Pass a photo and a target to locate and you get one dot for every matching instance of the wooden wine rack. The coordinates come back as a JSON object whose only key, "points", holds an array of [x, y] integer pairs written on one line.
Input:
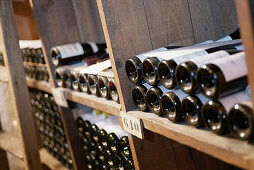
{"points": [[129, 28]]}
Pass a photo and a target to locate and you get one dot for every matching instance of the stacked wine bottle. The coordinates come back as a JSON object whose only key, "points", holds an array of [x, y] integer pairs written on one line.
{"points": [[85, 67], [49, 123], [33, 60], [105, 143], [202, 84]]}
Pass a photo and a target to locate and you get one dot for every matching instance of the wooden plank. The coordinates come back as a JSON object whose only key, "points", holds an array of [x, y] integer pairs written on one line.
{"points": [[126, 33], [169, 22], [229, 150], [157, 153], [12, 146], [4, 164], [56, 25], [246, 20], [3, 75], [17, 84], [79, 97], [88, 20], [212, 19], [51, 161]]}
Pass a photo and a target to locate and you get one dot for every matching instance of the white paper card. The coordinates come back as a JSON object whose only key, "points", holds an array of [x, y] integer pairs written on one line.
{"points": [[96, 68], [94, 46], [30, 44], [132, 125], [229, 101], [59, 97], [232, 67], [70, 50]]}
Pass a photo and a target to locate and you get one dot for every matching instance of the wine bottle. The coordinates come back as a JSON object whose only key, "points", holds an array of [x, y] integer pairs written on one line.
{"points": [[153, 99], [166, 67], [83, 83], [150, 69], [220, 77], [74, 53], [113, 91], [74, 80], [171, 105], [133, 65], [214, 112], [92, 84], [103, 87], [186, 72], [192, 109], [240, 120], [139, 96], [59, 77]]}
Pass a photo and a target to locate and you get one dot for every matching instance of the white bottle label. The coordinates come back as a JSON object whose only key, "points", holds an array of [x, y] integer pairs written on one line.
{"points": [[94, 46], [70, 50], [143, 56], [229, 101], [180, 94], [163, 89], [201, 60], [226, 38], [202, 98], [206, 42], [96, 68], [30, 44], [188, 57], [232, 67]]}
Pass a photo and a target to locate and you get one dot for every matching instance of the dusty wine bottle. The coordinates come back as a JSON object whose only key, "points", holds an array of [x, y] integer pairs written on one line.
{"points": [[240, 120], [74, 80], [133, 65], [153, 99], [186, 72], [103, 87], [214, 112], [74, 53], [92, 84], [220, 77], [171, 105], [192, 108], [59, 77], [139, 96], [166, 67]]}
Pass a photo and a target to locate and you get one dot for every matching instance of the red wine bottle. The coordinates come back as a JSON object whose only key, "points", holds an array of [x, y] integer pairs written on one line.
{"points": [[171, 105], [185, 73], [153, 99], [139, 96], [133, 65], [74, 53], [192, 108], [160, 67], [214, 112], [221, 77], [240, 120]]}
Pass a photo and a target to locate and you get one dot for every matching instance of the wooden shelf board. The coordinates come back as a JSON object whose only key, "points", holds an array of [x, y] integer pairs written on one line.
{"points": [[230, 150], [3, 75], [40, 85], [82, 98], [11, 144], [34, 64], [51, 161]]}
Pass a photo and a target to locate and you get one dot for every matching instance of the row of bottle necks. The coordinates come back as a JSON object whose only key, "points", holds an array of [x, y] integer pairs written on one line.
{"points": [[105, 143], [207, 68], [37, 72], [101, 86]]}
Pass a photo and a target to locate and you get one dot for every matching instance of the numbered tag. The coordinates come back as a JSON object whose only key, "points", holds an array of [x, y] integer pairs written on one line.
{"points": [[132, 125], [59, 97]]}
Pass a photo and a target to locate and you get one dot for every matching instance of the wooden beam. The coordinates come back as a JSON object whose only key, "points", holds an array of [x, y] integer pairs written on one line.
{"points": [[245, 13], [18, 87]]}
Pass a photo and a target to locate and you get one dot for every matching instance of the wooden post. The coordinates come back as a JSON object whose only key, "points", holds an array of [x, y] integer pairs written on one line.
{"points": [[245, 12], [18, 88], [56, 26]]}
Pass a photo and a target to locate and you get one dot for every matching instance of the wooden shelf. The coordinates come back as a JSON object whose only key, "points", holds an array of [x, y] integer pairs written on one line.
{"points": [[230, 150], [34, 64], [51, 161], [11, 144], [82, 98], [3, 75]]}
